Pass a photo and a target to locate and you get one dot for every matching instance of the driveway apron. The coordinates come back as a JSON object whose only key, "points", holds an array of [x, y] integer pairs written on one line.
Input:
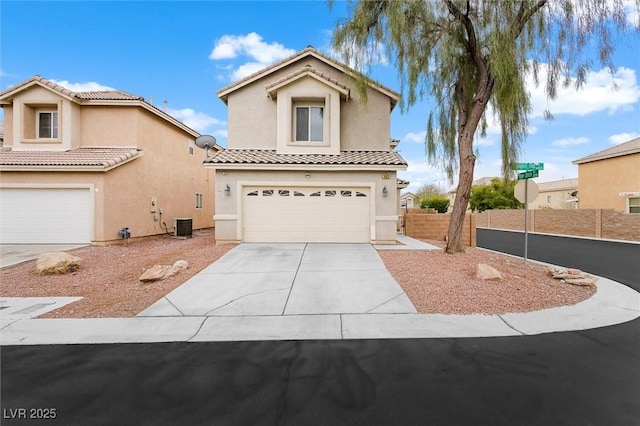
{"points": [[288, 279]]}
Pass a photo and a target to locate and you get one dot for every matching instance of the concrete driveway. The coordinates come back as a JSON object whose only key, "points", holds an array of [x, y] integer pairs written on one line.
{"points": [[288, 279], [13, 254]]}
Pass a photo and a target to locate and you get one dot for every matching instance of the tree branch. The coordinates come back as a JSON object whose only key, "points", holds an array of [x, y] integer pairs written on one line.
{"points": [[472, 42], [524, 15]]}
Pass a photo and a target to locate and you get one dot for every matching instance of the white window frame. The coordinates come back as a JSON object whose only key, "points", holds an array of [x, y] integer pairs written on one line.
{"points": [[198, 201], [308, 105], [191, 147], [629, 206], [54, 124]]}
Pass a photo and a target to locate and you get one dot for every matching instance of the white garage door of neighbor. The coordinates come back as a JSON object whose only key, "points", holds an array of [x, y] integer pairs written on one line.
{"points": [[276, 214], [45, 216]]}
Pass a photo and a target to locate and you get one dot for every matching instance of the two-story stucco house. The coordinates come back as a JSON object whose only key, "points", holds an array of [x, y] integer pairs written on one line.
{"points": [[610, 179], [78, 167], [306, 160]]}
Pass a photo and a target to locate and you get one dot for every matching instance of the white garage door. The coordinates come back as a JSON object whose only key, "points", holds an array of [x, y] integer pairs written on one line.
{"points": [[45, 216], [276, 214]]}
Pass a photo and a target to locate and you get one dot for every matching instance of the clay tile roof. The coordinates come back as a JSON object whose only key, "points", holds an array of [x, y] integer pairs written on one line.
{"points": [[309, 50], [97, 158], [270, 157], [308, 69], [627, 148], [108, 95], [84, 96]]}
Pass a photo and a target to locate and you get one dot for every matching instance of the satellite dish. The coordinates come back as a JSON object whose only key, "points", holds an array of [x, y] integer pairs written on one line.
{"points": [[205, 142]]}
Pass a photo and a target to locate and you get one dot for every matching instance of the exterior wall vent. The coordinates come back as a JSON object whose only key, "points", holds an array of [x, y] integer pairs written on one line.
{"points": [[184, 228]]}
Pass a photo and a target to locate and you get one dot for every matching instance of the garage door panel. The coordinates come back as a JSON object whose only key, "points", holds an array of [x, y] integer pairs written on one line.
{"points": [[306, 214], [45, 215]]}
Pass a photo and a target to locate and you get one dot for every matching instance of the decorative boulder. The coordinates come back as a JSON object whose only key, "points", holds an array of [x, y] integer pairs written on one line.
{"points": [[178, 266], [57, 263], [486, 272], [155, 273], [572, 276]]}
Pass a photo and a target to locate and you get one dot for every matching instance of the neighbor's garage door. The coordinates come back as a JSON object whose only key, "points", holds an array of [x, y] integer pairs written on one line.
{"points": [[275, 214], [45, 216]]}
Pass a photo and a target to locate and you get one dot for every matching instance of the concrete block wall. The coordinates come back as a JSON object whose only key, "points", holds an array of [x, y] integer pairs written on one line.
{"points": [[595, 223], [435, 226]]}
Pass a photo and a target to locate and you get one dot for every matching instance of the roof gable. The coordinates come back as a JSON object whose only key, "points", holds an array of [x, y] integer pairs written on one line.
{"points": [[103, 97], [307, 72], [8, 94], [224, 92], [626, 148]]}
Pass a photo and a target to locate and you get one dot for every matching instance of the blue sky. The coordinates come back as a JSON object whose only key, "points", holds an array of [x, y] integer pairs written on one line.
{"points": [[182, 52]]}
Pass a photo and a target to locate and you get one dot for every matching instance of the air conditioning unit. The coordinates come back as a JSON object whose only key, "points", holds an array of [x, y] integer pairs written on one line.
{"points": [[184, 227]]}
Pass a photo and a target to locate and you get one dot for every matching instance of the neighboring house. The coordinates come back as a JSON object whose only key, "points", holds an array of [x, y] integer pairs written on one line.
{"points": [[558, 194], [610, 179], [1, 133], [409, 200], [78, 167], [306, 160]]}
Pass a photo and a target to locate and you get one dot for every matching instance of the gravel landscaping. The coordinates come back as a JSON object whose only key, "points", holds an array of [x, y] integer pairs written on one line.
{"points": [[435, 282]]}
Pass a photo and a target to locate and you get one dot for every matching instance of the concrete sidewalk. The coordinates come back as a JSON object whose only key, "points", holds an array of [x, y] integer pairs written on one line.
{"points": [[305, 291]]}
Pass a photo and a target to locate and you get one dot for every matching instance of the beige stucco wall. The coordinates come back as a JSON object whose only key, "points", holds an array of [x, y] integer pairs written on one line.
{"points": [[601, 182], [165, 171], [384, 213], [252, 116], [558, 199]]}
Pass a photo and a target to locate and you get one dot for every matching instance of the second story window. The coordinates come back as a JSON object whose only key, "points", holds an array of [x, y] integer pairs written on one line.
{"points": [[309, 124], [47, 125]]}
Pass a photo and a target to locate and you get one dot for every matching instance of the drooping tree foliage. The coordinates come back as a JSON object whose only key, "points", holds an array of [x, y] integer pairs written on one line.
{"points": [[469, 55]]}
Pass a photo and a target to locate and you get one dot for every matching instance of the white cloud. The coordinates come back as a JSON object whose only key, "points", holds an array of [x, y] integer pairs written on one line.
{"points": [[90, 86], [415, 137], [421, 173], [252, 46], [597, 94], [623, 137], [198, 121], [570, 141]]}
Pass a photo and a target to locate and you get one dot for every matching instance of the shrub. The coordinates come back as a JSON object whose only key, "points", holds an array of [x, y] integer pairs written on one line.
{"points": [[438, 202]]}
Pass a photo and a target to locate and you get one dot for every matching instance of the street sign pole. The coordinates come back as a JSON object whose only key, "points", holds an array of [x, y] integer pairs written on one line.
{"points": [[526, 219]]}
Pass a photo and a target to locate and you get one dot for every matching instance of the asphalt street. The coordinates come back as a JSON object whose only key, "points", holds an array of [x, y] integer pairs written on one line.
{"points": [[589, 377]]}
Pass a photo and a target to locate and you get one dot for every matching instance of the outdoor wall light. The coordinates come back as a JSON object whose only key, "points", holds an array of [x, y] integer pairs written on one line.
{"points": [[384, 191], [307, 175], [227, 190]]}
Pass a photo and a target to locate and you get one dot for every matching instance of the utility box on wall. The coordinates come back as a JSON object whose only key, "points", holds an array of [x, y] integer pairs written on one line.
{"points": [[184, 227]]}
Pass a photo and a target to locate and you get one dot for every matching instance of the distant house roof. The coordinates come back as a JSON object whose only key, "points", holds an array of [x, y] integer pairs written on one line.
{"points": [[626, 148], [224, 92], [408, 195], [95, 159], [558, 185], [258, 157], [107, 97]]}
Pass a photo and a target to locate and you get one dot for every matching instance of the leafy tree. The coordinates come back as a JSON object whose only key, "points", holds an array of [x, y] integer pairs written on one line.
{"points": [[471, 54], [429, 189], [497, 195], [438, 202]]}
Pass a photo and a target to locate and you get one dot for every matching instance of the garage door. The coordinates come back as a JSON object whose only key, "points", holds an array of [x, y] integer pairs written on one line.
{"points": [[275, 214], [45, 216]]}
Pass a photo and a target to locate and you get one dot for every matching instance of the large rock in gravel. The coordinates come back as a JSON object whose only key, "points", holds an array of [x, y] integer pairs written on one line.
{"points": [[155, 273], [486, 272], [586, 281], [178, 266], [160, 272], [57, 263]]}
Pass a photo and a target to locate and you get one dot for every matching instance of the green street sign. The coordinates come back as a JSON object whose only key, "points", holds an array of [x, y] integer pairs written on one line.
{"points": [[528, 174], [527, 166]]}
